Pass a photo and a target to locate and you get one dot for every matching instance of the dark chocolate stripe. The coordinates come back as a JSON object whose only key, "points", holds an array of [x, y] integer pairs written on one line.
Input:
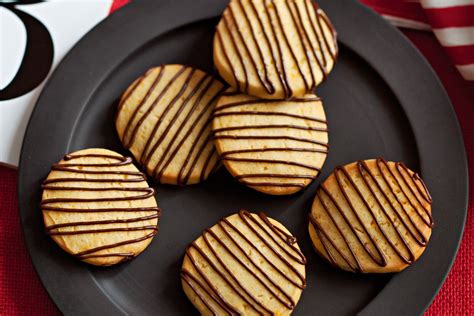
{"points": [[114, 221], [145, 156], [289, 46], [235, 128], [322, 234], [275, 34], [374, 187], [143, 193], [304, 38], [58, 188], [284, 162], [98, 210], [238, 288], [159, 172], [272, 175], [264, 81], [301, 284], [149, 193], [289, 305], [315, 31], [282, 75], [420, 238], [212, 153], [103, 230], [230, 92], [125, 256], [203, 146], [127, 95], [190, 279], [122, 160], [380, 257], [220, 42], [276, 175], [260, 102], [74, 170], [266, 231], [273, 184], [320, 16], [268, 113], [122, 243], [299, 26], [299, 139], [359, 267], [428, 222], [109, 180], [255, 150], [236, 50], [273, 61], [425, 192], [162, 128], [362, 167], [184, 103], [128, 142]]}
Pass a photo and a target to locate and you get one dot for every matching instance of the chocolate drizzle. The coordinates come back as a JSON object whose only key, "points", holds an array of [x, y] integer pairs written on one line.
{"points": [[253, 154], [242, 252], [156, 155], [267, 50], [385, 189], [91, 171]]}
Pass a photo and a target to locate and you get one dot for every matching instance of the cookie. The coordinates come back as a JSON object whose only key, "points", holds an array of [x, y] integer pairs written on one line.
{"points": [[273, 146], [371, 216], [246, 264], [164, 120], [98, 207], [274, 49]]}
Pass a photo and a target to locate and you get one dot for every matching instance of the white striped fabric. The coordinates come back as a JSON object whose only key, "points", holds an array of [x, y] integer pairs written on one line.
{"points": [[455, 36], [452, 22], [445, 3]]}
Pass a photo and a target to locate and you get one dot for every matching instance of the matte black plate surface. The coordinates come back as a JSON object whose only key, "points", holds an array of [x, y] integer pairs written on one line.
{"points": [[382, 99]]}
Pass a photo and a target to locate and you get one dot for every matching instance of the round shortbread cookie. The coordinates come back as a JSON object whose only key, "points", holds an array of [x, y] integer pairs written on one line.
{"points": [[164, 120], [274, 49], [98, 207], [273, 146], [246, 264], [371, 216]]}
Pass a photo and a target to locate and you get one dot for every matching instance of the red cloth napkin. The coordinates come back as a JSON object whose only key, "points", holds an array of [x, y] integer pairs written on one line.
{"points": [[452, 22], [21, 292]]}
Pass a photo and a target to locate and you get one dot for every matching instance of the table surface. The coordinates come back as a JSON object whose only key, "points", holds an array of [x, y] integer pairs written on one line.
{"points": [[22, 293]]}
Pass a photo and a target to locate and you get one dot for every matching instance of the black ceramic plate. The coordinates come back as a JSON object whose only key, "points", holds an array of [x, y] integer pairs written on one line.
{"points": [[382, 99]]}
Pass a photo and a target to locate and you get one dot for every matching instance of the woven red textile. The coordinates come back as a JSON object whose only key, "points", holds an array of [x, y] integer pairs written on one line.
{"points": [[21, 292], [457, 294]]}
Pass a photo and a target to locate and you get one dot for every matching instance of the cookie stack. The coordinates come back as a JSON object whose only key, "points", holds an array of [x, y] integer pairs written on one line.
{"points": [[268, 128]]}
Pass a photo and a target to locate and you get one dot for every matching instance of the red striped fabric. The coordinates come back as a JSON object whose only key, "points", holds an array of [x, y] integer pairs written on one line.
{"points": [[452, 22], [402, 9], [457, 16], [461, 55]]}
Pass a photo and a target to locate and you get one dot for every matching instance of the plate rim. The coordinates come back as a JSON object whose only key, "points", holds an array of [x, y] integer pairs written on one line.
{"points": [[357, 11]]}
